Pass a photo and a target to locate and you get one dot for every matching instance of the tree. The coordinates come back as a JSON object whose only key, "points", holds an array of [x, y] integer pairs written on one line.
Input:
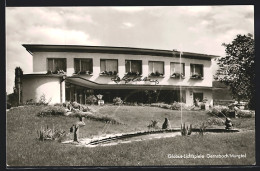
{"points": [[17, 83], [237, 69]]}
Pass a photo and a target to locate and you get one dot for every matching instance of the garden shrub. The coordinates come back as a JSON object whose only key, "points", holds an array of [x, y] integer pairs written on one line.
{"points": [[219, 111], [179, 106], [117, 101], [209, 123], [43, 100], [245, 114], [156, 104], [91, 99], [154, 124], [51, 111], [50, 134], [102, 118], [215, 121], [176, 106], [75, 105], [59, 104], [166, 106], [8, 105], [85, 108]]}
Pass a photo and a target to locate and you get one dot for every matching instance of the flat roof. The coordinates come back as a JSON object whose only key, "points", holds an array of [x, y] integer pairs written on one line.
{"points": [[31, 48]]}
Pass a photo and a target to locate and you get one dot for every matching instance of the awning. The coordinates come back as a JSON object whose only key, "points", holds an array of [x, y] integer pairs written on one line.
{"points": [[77, 80]]}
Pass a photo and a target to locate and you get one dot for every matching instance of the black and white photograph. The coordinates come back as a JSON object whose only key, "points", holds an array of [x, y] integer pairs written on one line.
{"points": [[130, 86]]}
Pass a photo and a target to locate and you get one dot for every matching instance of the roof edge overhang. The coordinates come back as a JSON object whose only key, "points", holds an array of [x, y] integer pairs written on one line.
{"points": [[31, 48], [77, 80], [43, 75]]}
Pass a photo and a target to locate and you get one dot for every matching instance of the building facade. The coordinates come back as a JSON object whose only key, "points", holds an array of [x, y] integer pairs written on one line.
{"points": [[72, 73]]}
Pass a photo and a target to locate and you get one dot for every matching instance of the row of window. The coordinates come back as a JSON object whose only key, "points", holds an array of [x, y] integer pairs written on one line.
{"points": [[110, 67]]}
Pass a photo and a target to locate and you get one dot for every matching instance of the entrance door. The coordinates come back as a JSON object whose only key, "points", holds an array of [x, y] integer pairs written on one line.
{"points": [[198, 96]]}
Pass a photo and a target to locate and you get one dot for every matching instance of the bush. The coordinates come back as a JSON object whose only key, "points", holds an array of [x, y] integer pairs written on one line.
{"points": [[117, 101], [174, 106], [50, 134], [43, 100], [102, 118], [178, 106], [12, 99], [8, 105], [91, 99], [85, 108], [52, 111], [215, 121], [166, 106], [245, 114], [75, 105], [59, 104], [153, 124], [220, 111]]}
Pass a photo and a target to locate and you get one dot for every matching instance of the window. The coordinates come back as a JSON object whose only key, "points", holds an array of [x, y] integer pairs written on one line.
{"points": [[108, 66], [197, 97], [133, 66], [177, 69], [196, 71], [156, 68], [83, 66], [56, 64]]}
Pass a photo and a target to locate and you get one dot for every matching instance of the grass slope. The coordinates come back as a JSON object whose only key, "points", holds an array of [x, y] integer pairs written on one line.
{"points": [[23, 149]]}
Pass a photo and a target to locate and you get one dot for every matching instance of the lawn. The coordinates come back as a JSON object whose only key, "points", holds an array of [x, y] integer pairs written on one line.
{"points": [[23, 148]]}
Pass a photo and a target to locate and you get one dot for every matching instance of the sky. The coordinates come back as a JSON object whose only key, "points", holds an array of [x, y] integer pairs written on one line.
{"points": [[199, 29]]}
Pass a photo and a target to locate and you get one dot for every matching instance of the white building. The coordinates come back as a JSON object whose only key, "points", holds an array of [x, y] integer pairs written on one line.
{"points": [[116, 72]]}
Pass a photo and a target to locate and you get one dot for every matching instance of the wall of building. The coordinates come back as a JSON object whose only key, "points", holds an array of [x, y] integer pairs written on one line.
{"points": [[40, 66], [206, 94], [34, 87]]}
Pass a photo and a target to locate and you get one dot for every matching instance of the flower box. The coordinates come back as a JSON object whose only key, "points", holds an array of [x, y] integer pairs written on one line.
{"points": [[177, 75], [108, 73], [196, 76], [133, 74], [58, 72], [84, 73], [156, 74]]}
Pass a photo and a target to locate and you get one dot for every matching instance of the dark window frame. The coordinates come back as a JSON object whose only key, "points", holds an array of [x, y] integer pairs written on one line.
{"points": [[130, 65], [192, 72], [109, 60], [153, 67], [53, 64], [178, 63], [80, 66]]}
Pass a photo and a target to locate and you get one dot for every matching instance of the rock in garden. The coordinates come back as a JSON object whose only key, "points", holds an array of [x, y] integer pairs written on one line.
{"points": [[166, 124]]}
